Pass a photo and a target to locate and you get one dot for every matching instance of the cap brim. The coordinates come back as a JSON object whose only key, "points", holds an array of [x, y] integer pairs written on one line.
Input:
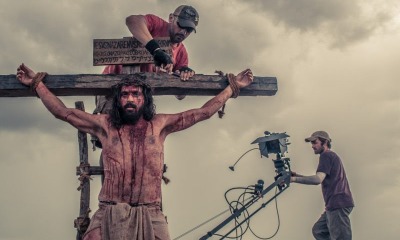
{"points": [[187, 23], [310, 139]]}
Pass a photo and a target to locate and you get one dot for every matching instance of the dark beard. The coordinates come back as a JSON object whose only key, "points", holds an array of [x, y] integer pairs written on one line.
{"points": [[175, 40], [319, 151], [130, 118]]}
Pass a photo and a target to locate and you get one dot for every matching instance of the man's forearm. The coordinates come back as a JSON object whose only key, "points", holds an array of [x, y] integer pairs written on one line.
{"points": [[308, 180], [297, 175], [214, 104], [51, 102]]}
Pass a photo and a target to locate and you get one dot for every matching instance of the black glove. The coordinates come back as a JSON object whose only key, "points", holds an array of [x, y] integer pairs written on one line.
{"points": [[161, 58], [159, 55]]}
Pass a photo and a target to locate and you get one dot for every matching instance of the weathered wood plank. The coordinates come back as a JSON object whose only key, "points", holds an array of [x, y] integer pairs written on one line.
{"points": [[84, 164], [163, 84], [124, 51], [81, 223]]}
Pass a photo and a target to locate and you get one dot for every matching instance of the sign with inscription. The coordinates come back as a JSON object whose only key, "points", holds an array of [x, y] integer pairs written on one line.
{"points": [[124, 51]]}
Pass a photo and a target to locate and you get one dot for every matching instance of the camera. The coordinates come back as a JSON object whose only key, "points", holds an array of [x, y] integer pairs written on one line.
{"points": [[275, 143], [272, 143]]}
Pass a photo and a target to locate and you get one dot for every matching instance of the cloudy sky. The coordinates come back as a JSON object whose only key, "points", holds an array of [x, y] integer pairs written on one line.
{"points": [[337, 65]]}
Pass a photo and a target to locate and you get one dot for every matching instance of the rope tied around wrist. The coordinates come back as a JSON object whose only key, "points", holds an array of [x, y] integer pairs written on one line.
{"points": [[235, 89], [36, 80]]}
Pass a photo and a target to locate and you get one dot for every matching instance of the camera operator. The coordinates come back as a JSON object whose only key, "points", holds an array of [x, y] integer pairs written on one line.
{"points": [[334, 223]]}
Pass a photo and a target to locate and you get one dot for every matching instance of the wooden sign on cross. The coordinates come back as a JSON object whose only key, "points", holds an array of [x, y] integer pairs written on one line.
{"points": [[124, 51]]}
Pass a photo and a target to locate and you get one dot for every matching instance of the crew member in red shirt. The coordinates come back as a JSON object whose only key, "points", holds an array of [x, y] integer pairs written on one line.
{"points": [[181, 23]]}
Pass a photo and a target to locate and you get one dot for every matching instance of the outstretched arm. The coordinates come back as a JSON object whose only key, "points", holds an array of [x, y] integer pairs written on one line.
{"points": [[81, 120], [309, 180], [180, 121]]}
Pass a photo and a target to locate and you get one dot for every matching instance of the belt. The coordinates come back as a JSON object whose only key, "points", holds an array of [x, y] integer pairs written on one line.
{"points": [[131, 204]]}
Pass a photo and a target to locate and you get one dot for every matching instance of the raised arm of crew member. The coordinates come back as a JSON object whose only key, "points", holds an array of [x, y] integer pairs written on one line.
{"points": [[316, 179], [138, 27], [180, 121], [79, 119]]}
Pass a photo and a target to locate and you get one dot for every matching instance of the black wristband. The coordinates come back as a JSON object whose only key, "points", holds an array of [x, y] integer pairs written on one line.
{"points": [[152, 46]]}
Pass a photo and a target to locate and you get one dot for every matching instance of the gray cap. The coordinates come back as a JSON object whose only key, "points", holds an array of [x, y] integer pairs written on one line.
{"points": [[187, 16], [318, 134]]}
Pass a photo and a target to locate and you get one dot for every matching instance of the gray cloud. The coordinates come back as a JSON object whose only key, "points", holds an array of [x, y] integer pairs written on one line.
{"points": [[343, 22], [336, 64]]}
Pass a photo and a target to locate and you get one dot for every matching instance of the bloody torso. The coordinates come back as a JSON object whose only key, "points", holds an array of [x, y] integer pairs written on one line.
{"points": [[133, 160]]}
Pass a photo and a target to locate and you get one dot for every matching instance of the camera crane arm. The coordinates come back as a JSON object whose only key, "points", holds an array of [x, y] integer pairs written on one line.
{"points": [[282, 182], [275, 143]]}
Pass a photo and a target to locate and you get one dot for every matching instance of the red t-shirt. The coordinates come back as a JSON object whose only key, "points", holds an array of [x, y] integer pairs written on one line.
{"points": [[157, 28]]}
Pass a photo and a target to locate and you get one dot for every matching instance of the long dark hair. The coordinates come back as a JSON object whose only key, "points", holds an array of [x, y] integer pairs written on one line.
{"points": [[149, 109]]}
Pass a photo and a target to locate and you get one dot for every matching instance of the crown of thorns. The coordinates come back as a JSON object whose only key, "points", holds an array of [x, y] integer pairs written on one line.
{"points": [[132, 80]]}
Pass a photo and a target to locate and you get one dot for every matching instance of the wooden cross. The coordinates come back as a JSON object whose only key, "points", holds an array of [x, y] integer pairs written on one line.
{"points": [[162, 83], [130, 53]]}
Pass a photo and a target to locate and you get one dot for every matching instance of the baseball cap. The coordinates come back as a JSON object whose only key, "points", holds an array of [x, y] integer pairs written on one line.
{"points": [[187, 16], [318, 134]]}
